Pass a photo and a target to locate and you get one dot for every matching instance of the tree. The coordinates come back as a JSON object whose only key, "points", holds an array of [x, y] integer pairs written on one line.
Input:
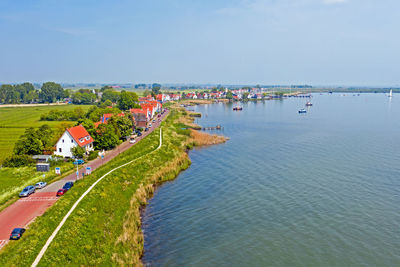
{"points": [[29, 143], [78, 152], [30, 97], [111, 95], [155, 89], [106, 138], [122, 125], [50, 92], [45, 135], [229, 95], [127, 100]]}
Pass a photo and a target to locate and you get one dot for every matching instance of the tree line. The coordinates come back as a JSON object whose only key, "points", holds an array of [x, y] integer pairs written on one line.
{"points": [[26, 93]]}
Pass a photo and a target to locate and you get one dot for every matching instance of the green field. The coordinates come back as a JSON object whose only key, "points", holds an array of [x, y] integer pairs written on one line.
{"points": [[14, 121]]}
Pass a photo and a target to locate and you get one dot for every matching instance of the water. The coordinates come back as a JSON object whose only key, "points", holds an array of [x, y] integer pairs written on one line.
{"points": [[288, 189]]}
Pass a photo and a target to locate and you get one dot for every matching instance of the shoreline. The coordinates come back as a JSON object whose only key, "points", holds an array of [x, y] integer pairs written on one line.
{"points": [[169, 173]]}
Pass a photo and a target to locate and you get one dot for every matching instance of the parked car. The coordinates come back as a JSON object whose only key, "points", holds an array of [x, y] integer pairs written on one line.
{"points": [[79, 161], [68, 185], [154, 121], [159, 115], [40, 185], [61, 192], [150, 125], [27, 191], [132, 141], [17, 233], [146, 129], [139, 134]]}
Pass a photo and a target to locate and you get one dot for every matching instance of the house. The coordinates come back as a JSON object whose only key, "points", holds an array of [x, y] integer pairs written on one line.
{"points": [[175, 97], [71, 138], [140, 116]]}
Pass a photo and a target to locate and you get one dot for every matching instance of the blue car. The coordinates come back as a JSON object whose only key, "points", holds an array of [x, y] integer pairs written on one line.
{"points": [[27, 191], [79, 161], [68, 185], [17, 233]]}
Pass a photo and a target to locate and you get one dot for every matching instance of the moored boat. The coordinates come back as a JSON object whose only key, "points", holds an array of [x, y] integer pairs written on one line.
{"points": [[302, 111], [308, 104], [237, 108]]}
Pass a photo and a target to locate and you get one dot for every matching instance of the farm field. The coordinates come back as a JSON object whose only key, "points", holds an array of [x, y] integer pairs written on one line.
{"points": [[14, 121]]}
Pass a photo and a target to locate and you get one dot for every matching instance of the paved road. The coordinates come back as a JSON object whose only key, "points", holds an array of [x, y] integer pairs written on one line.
{"points": [[23, 211]]}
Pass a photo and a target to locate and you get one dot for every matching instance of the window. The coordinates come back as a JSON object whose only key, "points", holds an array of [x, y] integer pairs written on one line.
{"points": [[87, 137], [63, 140], [81, 140], [59, 149], [72, 140]]}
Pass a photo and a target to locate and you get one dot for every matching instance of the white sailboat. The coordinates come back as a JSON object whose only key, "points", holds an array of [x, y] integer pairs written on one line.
{"points": [[391, 93]]}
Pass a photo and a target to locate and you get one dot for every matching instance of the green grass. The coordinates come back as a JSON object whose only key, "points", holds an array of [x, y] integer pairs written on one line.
{"points": [[92, 234], [14, 121]]}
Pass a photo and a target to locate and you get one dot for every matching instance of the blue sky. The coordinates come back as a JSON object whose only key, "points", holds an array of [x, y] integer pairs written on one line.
{"points": [[319, 42]]}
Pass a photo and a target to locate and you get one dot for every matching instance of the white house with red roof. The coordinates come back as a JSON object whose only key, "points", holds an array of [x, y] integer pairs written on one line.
{"points": [[72, 137]]}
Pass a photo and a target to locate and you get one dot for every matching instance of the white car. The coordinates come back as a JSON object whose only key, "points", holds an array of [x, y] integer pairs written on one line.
{"points": [[132, 141], [40, 185], [150, 125]]}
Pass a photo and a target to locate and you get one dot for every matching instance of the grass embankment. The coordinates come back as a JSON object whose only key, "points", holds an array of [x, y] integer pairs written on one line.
{"points": [[13, 180], [105, 227], [14, 121]]}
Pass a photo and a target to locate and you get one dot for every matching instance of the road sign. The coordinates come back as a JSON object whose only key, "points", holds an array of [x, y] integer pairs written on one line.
{"points": [[88, 170], [58, 170]]}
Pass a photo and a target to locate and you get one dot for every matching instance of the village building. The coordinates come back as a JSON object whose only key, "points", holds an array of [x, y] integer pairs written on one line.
{"points": [[72, 137]]}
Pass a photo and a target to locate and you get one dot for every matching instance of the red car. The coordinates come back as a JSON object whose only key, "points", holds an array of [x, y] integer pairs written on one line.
{"points": [[61, 192]]}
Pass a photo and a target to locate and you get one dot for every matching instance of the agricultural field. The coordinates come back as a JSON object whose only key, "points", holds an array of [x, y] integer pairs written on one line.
{"points": [[14, 121]]}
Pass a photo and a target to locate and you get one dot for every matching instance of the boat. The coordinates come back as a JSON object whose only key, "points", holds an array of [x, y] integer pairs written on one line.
{"points": [[308, 104], [391, 93], [237, 108], [302, 111]]}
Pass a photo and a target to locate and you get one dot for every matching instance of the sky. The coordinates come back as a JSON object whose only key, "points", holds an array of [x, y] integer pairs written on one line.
{"points": [[317, 42]]}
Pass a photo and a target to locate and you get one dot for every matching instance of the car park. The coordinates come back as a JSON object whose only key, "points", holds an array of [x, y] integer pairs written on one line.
{"points": [[68, 185], [27, 191], [61, 192], [40, 185], [17, 233]]}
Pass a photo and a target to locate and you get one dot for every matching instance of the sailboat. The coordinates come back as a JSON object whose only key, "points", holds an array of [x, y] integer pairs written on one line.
{"points": [[391, 93]]}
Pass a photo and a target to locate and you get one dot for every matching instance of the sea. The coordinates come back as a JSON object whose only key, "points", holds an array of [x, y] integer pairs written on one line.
{"points": [[288, 189]]}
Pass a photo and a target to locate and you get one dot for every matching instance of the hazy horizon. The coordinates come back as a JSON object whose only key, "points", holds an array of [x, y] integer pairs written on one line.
{"points": [[317, 42]]}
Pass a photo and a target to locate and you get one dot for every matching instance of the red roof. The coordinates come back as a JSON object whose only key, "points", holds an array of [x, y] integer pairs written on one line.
{"points": [[137, 110], [79, 134]]}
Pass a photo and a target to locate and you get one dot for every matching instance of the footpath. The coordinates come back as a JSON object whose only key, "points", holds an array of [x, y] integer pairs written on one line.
{"points": [[25, 210]]}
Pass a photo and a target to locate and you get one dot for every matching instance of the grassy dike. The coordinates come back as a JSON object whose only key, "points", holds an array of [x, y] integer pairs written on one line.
{"points": [[105, 227]]}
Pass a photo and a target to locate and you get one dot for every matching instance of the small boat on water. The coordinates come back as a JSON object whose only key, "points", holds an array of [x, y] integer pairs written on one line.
{"points": [[391, 93], [238, 108], [308, 104], [302, 111]]}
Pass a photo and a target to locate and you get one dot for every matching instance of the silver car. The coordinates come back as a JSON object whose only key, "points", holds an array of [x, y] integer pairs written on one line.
{"points": [[40, 185], [27, 191]]}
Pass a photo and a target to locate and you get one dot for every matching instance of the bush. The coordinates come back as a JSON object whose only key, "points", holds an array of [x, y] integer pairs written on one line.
{"points": [[93, 155], [18, 161]]}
